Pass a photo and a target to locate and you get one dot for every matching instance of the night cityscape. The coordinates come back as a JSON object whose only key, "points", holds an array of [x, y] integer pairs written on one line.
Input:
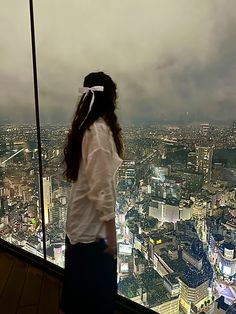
{"points": [[174, 63], [175, 211]]}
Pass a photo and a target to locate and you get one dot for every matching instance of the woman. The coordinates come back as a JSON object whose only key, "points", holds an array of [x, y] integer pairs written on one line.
{"points": [[92, 156]]}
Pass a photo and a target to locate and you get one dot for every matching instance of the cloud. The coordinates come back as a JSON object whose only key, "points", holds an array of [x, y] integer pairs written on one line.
{"points": [[168, 57]]}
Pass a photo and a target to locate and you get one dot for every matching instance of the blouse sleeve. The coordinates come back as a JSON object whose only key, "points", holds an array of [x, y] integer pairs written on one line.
{"points": [[99, 171]]}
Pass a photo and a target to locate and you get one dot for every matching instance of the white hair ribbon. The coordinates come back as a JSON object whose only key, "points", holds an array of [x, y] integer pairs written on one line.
{"points": [[85, 91]]}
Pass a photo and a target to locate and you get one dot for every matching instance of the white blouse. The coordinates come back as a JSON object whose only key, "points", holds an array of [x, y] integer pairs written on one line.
{"points": [[93, 196]]}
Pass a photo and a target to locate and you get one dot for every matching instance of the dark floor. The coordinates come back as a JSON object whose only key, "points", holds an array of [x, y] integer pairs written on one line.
{"points": [[25, 289]]}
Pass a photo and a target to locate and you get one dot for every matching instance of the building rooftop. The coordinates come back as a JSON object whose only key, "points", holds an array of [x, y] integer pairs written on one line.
{"points": [[190, 252], [218, 237], [172, 278], [189, 274]]}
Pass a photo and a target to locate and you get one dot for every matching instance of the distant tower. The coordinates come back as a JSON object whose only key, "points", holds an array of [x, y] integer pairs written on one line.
{"points": [[233, 130], [204, 161], [191, 161], [47, 197], [127, 172], [204, 128]]}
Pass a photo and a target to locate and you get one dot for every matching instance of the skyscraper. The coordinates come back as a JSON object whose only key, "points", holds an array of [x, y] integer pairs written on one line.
{"points": [[233, 130], [193, 293], [127, 173], [47, 196], [204, 162], [205, 128]]}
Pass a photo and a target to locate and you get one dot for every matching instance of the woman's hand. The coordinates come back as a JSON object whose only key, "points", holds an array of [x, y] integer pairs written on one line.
{"points": [[111, 250], [111, 238]]}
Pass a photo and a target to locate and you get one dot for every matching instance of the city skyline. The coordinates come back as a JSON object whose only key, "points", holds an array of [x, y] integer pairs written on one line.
{"points": [[175, 211], [171, 61]]}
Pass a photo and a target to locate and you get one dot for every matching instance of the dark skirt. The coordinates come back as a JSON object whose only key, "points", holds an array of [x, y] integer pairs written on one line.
{"points": [[90, 279]]}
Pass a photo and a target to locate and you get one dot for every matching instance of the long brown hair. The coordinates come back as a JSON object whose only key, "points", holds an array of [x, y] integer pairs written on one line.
{"points": [[104, 106]]}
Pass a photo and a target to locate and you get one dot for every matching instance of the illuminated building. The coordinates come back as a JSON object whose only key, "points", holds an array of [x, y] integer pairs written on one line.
{"points": [[163, 212], [204, 127], [124, 260], [227, 259], [191, 161], [56, 213], [233, 130], [160, 173], [185, 213], [138, 241], [127, 173], [168, 189], [156, 210], [204, 162], [199, 209], [202, 230], [47, 197], [170, 306], [191, 294], [154, 241]]}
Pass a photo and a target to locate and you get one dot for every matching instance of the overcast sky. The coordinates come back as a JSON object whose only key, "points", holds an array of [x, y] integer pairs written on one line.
{"points": [[171, 59]]}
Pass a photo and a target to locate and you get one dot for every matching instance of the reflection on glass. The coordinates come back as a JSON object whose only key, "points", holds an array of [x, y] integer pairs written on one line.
{"points": [[55, 190], [20, 210], [20, 217]]}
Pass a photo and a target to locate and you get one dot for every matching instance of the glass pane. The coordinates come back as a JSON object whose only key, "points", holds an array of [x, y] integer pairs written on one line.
{"points": [[20, 218], [174, 64]]}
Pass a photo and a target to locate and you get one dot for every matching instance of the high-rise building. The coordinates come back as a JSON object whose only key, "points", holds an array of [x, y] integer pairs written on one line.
{"points": [[163, 212], [191, 161], [47, 197], [185, 213], [156, 209], [127, 172], [204, 162], [227, 259], [191, 294], [159, 300], [233, 130], [169, 306], [160, 173], [199, 209], [205, 128]]}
